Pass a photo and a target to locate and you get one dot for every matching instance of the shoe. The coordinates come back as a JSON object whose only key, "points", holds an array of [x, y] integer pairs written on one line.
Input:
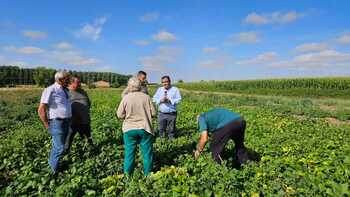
{"points": [[242, 156]]}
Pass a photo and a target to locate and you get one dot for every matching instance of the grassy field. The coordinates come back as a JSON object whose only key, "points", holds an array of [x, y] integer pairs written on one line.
{"points": [[300, 87], [303, 144]]}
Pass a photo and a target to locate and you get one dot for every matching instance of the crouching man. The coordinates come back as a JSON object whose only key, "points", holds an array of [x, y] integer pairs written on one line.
{"points": [[223, 125]]}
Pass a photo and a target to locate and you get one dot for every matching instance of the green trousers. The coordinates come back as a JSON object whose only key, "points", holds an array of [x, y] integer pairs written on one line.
{"points": [[131, 139]]}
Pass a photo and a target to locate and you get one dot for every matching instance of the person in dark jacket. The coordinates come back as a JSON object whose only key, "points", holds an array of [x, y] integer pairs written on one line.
{"points": [[80, 122]]}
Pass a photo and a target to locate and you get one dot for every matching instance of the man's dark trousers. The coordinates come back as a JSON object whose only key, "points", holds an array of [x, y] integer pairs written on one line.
{"points": [[167, 123], [84, 130], [233, 130]]}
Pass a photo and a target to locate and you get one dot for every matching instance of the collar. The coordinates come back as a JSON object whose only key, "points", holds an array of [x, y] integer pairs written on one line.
{"points": [[167, 89], [58, 85]]}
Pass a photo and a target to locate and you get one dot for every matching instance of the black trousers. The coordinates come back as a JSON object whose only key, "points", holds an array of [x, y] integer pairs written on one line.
{"points": [[233, 130], [84, 130], [167, 122]]}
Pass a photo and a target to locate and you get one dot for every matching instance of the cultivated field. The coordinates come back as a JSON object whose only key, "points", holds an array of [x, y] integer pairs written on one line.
{"points": [[303, 144]]}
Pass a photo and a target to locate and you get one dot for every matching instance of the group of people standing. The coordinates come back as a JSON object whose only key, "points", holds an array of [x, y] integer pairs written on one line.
{"points": [[65, 110], [137, 110]]}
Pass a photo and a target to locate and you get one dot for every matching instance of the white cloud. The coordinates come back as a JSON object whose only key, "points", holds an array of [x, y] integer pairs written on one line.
{"points": [[272, 18], [141, 42], [35, 35], [330, 59], [164, 36], [160, 61], [311, 47], [29, 50], [217, 61], [63, 46], [72, 58], [104, 69], [261, 59], [212, 64], [149, 17], [209, 49], [249, 37], [323, 56], [254, 18], [92, 30], [22, 64], [343, 39]]}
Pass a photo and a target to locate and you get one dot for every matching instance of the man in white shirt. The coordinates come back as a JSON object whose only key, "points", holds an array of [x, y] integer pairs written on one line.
{"points": [[55, 113], [167, 98]]}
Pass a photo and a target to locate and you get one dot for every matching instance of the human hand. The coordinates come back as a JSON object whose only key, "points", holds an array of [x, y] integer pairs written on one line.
{"points": [[46, 125], [196, 154], [164, 100]]}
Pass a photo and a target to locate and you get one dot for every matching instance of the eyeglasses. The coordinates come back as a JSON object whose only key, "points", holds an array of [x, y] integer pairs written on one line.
{"points": [[165, 81]]}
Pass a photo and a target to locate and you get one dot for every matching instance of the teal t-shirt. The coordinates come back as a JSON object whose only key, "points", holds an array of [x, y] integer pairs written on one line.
{"points": [[216, 119]]}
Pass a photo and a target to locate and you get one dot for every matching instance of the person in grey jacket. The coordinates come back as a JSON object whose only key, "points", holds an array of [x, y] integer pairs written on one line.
{"points": [[80, 122], [142, 76]]}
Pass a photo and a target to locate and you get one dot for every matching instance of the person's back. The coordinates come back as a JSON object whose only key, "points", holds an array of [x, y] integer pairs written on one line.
{"points": [[217, 118], [80, 106], [138, 111]]}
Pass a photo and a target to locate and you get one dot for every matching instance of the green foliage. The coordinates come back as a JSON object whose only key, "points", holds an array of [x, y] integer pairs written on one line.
{"points": [[43, 77], [300, 157], [13, 75], [91, 85], [2, 79], [17, 107], [115, 84], [290, 87]]}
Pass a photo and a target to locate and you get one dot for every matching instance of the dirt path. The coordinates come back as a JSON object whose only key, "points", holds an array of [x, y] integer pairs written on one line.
{"points": [[317, 101], [263, 96]]}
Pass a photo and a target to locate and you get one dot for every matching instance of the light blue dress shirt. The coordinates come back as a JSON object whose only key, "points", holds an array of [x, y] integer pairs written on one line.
{"points": [[173, 95], [59, 105]]}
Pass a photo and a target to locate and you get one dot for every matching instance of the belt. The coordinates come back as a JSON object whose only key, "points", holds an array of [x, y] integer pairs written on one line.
{"points": [[168, 112], [59, 119], [236, 122]]}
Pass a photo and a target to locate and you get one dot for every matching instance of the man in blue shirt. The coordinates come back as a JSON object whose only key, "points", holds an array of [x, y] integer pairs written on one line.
{"points": [[167, 98], [223, 125]]}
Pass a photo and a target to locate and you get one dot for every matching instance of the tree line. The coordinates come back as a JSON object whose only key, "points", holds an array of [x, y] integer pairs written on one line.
{"points": [[12, 75]]}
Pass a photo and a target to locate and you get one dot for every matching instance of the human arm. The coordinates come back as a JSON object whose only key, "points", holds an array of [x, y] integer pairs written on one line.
{"points": [[87, 98], [121, 110], [42, 115], [203, 129], [43, 107], [176, 98], [157, 96], [201, 144], [153, 109]]}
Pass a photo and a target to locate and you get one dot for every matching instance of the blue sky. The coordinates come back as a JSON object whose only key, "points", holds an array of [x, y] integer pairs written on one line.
{"points": [[189, 40]]}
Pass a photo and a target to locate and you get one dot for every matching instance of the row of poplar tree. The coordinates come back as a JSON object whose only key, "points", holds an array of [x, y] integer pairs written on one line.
{"points": [[41, 76]]}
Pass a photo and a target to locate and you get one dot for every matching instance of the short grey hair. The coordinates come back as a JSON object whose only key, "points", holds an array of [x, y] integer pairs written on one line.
{"points": [[134, 84], [60, 74], [73, 79]]}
